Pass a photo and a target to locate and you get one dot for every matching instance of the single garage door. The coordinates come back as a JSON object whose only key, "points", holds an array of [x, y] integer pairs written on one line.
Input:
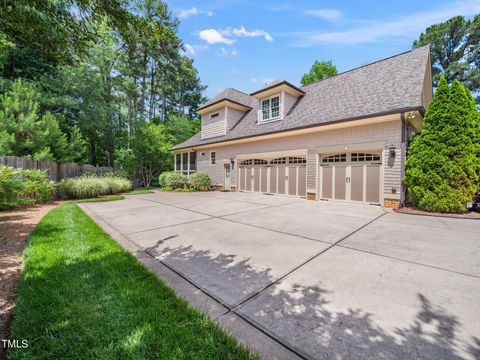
{"points": [[351, 177], [285, 176]]}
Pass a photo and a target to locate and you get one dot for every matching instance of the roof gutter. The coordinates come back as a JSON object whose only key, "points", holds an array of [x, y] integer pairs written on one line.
{"points": [[420, 109]]}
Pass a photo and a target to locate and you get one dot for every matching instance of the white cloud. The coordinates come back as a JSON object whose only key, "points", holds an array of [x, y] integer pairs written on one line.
{"points": [[224, 36], [331, 15], [254, 33], [186, 13], [193, 50], [406, 27], [213, 36], [226, 53]]}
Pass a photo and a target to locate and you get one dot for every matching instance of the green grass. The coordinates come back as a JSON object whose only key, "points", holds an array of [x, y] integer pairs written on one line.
{"points": [[83, 297], [100, 199], [140, 191]]}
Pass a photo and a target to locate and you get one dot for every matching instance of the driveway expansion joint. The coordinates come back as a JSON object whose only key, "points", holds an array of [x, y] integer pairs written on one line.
{"points": [[313, 257]]}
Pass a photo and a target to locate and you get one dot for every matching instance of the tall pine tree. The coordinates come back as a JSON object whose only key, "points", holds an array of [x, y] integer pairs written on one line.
{"points": [[442, 168]]}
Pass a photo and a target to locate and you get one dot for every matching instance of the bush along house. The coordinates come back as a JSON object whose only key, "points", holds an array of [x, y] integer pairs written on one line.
{"points": [[343, 138]]}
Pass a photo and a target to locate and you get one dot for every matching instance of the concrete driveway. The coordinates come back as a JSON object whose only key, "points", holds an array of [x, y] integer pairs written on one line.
{"points": [[302, 279]]}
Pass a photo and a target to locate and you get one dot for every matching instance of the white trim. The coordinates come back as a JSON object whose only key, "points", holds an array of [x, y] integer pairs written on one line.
{"points": [[261, 120], [301, 131]]}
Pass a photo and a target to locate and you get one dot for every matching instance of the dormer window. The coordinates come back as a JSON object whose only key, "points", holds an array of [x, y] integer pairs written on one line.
{"points": [[271, 108]]}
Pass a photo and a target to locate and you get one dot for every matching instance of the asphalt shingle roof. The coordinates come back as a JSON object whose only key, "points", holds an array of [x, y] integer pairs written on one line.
{"points": [[233, 95], [391, 84]]}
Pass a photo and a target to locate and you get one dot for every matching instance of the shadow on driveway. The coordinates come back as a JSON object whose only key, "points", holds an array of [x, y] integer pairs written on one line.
{"points": [[301, 318]]}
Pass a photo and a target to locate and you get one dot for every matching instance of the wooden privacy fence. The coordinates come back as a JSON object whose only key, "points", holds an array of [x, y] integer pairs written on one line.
{"points": [[56, 171]]}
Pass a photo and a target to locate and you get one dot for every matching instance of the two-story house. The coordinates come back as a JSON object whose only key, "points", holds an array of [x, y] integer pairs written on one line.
{"points": [[343, 138]]}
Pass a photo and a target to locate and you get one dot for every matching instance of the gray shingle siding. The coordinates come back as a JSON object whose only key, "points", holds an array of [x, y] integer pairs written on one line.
{"points": [[215, 127], [386, 133]]}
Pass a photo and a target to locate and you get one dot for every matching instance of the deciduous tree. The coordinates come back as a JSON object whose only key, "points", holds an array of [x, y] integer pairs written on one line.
{"points": [[320, 70]]}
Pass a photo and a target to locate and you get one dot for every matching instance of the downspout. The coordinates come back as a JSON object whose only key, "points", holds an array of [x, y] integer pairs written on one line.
{"points": [[403, 155]]}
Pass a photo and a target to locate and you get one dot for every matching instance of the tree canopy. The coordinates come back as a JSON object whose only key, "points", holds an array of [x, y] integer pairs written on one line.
{"points": [[455, 51], [443, 161], [90, 75], [320, 70]]}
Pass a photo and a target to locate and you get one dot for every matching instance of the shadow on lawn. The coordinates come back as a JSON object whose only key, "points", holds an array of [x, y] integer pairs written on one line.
{"points": [[106, 307], [301, 316]]}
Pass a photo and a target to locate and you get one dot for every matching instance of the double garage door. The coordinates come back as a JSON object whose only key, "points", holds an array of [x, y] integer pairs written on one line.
{"points": [[285, 176], [351, 177]]}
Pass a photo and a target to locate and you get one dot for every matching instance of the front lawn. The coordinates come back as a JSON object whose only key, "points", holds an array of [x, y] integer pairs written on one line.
{"points": [[100, 199], [82, 296]]}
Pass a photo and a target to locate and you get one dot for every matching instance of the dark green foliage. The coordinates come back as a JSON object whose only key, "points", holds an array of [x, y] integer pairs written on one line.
{"points": [[150, 148], [57, 30], [443, 162], [101, 69], [23, 187], [455, 49], [26, 130], [320, 70], [82, 296]]}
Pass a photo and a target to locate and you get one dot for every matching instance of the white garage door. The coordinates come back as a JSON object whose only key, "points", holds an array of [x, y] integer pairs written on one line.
{"points": [[351, 177], [285, 176]]}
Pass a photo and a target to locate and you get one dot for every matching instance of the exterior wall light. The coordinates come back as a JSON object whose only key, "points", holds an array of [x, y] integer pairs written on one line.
{"points": [[392, 151], [232, 161]]}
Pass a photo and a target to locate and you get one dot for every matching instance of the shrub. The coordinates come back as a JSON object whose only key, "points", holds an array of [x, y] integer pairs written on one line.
{"points": [[173, 180], [162, 179], [89, 186], [199, 181], [23, 187], [36, 185], [442, 164], [85, 187], [117, 184]]}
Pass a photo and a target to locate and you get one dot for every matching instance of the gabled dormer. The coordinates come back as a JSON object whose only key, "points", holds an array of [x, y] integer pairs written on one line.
{"points": [[221, 113], [275, 100]]}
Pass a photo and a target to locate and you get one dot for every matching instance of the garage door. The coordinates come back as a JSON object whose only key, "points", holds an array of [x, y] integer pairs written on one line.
{"points": [[285, 175], [351, 177]]}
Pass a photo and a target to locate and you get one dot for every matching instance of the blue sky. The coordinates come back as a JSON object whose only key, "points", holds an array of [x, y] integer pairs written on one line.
{"points": [[245, 44]]}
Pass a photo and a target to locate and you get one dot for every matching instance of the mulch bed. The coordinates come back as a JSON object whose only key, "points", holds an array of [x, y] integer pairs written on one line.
{"points": [[411, 210], [15, 225]]}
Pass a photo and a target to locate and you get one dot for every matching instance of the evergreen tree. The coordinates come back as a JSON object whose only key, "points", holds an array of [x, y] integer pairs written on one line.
{"points": [[442, 168], [25, 129]]}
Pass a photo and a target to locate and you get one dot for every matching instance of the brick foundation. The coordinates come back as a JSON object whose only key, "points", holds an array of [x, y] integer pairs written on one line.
{"points": [[311, 196], [391, 203], [217, 187], [233, 189]]}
